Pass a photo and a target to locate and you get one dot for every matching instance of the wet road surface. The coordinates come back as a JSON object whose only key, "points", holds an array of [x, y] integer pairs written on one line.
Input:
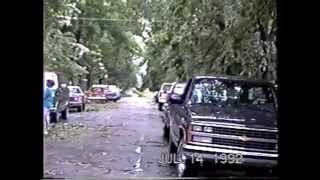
{"points": [[121, 139], [125, 140]]}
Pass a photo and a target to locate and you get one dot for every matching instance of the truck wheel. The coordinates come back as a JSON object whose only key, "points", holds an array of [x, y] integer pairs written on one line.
{"points": [[64, 114], [185, 167]]}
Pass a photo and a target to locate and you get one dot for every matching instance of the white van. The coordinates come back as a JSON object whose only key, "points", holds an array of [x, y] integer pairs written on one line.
{"points": [[50, 76]]}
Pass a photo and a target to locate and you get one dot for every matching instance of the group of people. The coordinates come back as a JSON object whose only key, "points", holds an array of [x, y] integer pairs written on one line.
{"points": [[53, 98]]}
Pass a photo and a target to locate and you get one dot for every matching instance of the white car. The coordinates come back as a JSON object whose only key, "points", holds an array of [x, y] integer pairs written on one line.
{"points": [[113, 93]]}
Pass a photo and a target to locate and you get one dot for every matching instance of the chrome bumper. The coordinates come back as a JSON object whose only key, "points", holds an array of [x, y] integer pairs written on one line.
{"points": [[256, 159]]}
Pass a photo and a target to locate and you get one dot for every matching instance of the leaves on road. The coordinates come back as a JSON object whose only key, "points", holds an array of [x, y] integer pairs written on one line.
{"points": [[101, 106], [66, 131]]}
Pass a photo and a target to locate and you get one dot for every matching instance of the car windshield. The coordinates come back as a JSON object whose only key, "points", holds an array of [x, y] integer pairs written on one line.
{"points": [[233, 93], [97, 89], [75, 90]]}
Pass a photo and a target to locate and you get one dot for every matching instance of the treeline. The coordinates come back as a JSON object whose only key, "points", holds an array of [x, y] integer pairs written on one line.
{"points": [[94, 39], [87, 41], [234, 37]]}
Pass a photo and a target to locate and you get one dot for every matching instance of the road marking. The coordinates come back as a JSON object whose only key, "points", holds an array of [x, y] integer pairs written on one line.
{"points": [[137, 166], [138, 150]]}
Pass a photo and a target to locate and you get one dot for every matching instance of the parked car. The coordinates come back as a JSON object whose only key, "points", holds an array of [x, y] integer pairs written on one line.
{"points": [[77, 98], [113, 93], [224, 120], [163, 94], [97, 92], [60, 109], [178, 88]]}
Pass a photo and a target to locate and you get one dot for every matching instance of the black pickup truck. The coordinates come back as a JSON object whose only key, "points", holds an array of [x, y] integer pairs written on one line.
{"points": [[223, 120]]}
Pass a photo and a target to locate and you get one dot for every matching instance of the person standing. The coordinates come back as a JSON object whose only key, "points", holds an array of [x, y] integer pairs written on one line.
{"points": [[48, 102]]}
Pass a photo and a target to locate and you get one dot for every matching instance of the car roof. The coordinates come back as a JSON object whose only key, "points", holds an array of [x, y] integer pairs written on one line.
{"points": [[233, 78]]}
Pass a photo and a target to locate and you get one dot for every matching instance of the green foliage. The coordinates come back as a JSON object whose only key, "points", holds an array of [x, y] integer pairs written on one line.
{"points": [[82, 48], [234, 37], [94, 38]]}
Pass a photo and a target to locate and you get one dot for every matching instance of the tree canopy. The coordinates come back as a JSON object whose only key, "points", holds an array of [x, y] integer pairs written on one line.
{"points": [[233, 37], [96, 39], [87, 39]]}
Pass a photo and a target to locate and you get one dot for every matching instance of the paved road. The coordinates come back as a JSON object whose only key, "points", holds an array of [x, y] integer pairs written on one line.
{"points": [[122, 140], [125, 140]]}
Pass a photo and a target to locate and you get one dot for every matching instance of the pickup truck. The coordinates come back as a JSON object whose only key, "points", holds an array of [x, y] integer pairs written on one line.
{"points": [[223, 120]]}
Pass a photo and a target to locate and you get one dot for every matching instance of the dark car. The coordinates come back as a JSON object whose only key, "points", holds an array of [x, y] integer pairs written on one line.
{"points": [[223, 120]]}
